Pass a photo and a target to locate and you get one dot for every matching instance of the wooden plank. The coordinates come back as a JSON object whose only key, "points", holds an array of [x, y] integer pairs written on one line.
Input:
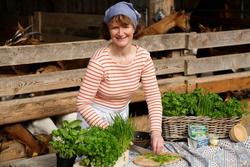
{"points": [[71, 78], [40, 82], [48, 160], [171, 65], [61, 103], [16, 55], [222, 83], [37, 107], [217, 63], [163, 42], [218, 39]]}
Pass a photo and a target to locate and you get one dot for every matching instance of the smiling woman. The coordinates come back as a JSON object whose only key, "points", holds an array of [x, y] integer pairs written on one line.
{"points": [[116, 71]]}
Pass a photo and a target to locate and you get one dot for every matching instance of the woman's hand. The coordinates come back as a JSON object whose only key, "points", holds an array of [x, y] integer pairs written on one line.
{"points": [[157, 143]]}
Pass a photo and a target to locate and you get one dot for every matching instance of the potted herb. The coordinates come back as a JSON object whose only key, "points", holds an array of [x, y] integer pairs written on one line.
{"points": [[123, 130], [103, 147], [65, 142]]}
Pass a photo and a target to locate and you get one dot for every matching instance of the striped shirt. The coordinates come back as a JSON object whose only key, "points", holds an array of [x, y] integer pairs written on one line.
{"points": [[111, 84]]}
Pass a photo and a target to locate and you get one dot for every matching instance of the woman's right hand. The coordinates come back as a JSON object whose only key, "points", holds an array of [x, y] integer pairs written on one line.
{"points": [[157, 143]]}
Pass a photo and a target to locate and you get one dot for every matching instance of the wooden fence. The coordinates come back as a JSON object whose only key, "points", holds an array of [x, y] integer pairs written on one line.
{"points": [[176, 71]]}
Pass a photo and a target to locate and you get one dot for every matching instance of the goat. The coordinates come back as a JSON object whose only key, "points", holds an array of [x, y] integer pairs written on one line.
{"points": [[177, 19], [23, 36]]}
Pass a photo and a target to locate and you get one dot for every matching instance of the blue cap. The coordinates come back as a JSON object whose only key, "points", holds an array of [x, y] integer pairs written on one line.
{"points": [[122, 8]]}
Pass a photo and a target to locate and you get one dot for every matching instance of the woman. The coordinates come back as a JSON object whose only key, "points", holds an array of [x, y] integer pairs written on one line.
{"points": [[115, 72]]}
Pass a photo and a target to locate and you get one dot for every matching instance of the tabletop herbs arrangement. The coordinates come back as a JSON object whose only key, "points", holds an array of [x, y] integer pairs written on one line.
{"points": [[97, 146], [199, 106]]}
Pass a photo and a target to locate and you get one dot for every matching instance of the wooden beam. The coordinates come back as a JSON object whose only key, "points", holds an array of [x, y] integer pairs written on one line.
{"points": [[218, 39], [61, 103], [217, 63], [16, 55], [221, 83], [40, 82], [171, 65], [48, 160], [37, 107]]}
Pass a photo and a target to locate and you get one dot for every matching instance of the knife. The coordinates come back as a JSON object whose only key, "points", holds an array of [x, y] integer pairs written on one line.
{"points": [[140, 150]]}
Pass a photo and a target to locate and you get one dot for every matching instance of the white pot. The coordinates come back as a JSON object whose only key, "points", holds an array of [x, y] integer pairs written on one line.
{"points": [[123, 160]]}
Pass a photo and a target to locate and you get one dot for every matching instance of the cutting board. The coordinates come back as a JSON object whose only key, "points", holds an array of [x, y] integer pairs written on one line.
{"points": [[141, 160]]}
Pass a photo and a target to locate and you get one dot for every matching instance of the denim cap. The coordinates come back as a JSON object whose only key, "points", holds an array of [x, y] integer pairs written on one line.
{"points": [[122, 8]]}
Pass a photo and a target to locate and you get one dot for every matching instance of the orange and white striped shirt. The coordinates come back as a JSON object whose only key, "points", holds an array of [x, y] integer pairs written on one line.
{"points": [[111, 84]]}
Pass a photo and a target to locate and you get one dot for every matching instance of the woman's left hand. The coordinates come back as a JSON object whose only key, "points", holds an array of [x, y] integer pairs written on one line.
{"points": [[157, 143]]}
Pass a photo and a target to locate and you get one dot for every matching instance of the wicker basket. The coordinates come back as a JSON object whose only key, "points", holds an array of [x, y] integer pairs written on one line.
{"points": [[176, 128]]}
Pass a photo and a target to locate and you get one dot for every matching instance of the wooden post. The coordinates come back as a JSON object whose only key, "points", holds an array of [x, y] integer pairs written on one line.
{"points": [[156, 5], [37, 23]]}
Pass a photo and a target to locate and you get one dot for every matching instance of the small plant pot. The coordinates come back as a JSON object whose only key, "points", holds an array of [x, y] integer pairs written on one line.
{"points": [[142, 139], [62, 162]]}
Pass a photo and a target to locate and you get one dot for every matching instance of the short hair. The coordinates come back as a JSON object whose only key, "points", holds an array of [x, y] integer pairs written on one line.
{"points": [[123, 21]]}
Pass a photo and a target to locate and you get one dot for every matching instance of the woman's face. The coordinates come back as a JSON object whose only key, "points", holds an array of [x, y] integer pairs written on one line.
{"points": [[121, 35]]}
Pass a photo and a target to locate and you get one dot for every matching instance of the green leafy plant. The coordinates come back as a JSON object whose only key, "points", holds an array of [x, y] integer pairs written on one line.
{"points": [[201, 103], [123, 130], [179, 104], [103, 147], [66, 138], [99, 148]]}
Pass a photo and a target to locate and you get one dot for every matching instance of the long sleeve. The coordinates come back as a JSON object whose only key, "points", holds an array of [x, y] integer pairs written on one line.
{"points": [[152, 95], [87, 93], [112, 85]]}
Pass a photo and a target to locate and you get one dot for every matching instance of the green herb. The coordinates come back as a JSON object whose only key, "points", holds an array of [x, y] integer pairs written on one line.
{"points": [[99, 148], [161, 159], [103, 147], [65, 139], [123, 130], [201, 103]]}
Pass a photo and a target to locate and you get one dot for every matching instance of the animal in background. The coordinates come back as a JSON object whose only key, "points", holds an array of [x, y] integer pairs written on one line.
{"points": [[178, 19], [209, 29], [23, 36]]}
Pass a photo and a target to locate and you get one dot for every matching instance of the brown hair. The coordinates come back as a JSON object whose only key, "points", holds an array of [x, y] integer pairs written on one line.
{"points": [[123, 21]]}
